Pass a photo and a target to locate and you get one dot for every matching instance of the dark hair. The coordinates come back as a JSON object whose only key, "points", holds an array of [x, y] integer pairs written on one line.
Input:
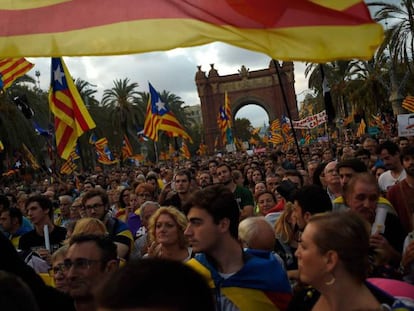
{"points": [[362, 152], [15, 294], [44, 202], [121, 197], [152, 283], [407, 152], [357, 165], [219, 202], [183, 173], [347, 234], [390, 146], [4, 201], [14, 213], [318, 172], [104, 243], [96, 193], [294, 173], [226, 165], [313, 199]]}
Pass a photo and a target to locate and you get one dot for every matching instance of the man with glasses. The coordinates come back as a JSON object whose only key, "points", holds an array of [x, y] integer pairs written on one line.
{"points": [[96, 203], [88, 260], [333, 182]]}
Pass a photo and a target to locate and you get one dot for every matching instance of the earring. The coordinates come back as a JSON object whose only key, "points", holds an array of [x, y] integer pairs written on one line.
{"points": [[331, 281]]}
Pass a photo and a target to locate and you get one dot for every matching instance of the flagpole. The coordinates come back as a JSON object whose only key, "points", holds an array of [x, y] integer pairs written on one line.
{"points": [[156, 152], [276, 64]]}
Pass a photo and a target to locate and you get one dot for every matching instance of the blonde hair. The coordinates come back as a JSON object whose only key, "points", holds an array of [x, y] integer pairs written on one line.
{"points": [[283, 229], [179, 218], [89, 225]]}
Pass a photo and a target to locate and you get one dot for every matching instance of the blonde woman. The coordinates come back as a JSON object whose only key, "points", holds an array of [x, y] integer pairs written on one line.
{"points": [[88, 225], [166, 233]]}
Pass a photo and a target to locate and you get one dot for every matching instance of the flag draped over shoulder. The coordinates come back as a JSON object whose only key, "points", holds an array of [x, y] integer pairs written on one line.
{"points": [[72, 118], [408, 103], [11, 69], [315, 31], [160, 117]]}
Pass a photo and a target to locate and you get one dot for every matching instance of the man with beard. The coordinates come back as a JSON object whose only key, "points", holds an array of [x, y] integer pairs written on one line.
{"points": [[88, 260], [204, 179], [401, 195], [182, 190], [389, 153], [243, 196]]}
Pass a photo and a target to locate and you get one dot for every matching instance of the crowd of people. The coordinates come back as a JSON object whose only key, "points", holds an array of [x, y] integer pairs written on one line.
{"points": [[268, 231]]}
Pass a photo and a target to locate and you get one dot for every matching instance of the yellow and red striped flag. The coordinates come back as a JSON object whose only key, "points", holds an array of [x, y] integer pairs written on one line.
{"points": [[11, 69], [408, 103], [315, 31], [361, 129], [72, 119], [126, 148], [184, 150]]}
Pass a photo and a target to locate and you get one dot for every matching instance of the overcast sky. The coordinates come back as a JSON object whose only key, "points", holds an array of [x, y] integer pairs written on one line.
{"points": [[173, 71]]}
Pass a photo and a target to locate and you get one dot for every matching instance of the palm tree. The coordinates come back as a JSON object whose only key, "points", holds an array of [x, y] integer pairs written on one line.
{"points": [[122, 103], [398, 44]]}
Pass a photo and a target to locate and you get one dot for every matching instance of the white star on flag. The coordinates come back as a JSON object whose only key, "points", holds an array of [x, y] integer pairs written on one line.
{"points": [[58, 74], [160, 105]]}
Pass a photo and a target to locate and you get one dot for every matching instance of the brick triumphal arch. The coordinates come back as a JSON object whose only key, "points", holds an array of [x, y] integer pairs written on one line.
{"points": [[259, 87]]}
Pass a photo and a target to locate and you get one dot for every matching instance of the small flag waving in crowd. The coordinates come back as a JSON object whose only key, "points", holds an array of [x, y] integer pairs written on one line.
{"points": [[72, 118], [11, 69], [408, 103], [224, 120], [160, 117]]}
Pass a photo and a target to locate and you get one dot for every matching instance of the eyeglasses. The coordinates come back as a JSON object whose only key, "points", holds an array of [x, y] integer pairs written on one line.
{"points": [[56, 269], [78, 264], [94, 206]]}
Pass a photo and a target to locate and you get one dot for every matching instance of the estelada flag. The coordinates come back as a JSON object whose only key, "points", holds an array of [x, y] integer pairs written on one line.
{"points": [[408, 103], [316, 31], [11, 69], [72, 119]]}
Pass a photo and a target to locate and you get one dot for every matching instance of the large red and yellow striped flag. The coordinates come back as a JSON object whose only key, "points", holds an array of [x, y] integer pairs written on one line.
{"points": [[408, 103], [11, 69], [316, 31], [72, 119]]}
